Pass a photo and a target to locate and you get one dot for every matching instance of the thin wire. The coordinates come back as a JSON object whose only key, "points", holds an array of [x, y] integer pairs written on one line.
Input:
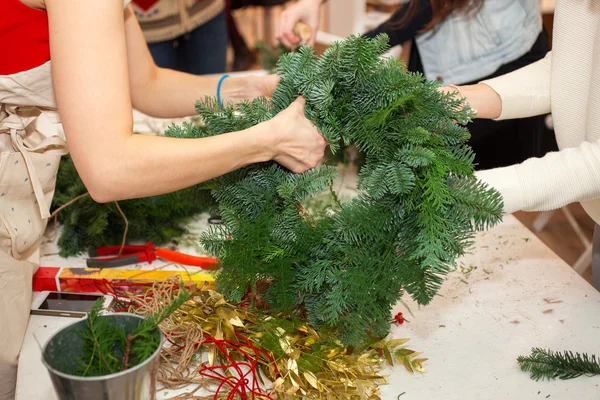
{"points": [[126, 227]]}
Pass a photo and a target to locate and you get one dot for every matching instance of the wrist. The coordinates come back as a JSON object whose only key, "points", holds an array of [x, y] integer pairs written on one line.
{"points": [[470, 111], [263, 141], [236, 89], [485, 99]]}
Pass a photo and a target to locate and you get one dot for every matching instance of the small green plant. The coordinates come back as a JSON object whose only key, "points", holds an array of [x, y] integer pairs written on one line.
{"points": [[546, 364], [108, 349]]}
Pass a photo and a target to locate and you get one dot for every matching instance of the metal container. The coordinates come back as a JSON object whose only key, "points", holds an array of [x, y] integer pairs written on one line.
{"points": [[64, 350]]}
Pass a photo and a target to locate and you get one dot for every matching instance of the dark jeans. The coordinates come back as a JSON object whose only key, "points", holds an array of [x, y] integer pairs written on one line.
{"points": [[507, 142], [201, 51]]}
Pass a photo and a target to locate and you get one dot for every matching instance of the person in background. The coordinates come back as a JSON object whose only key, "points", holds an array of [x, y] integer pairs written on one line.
{"points": [[243, 58], [185, 35], [566, 83], [83, 65], [461, 42]]}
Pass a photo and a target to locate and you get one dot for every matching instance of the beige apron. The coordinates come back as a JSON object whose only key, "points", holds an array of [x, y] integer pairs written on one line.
{"points": [[30, 148]]}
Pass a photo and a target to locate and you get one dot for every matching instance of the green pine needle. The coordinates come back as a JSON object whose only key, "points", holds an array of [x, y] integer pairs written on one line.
{"points": [[546, 364]]}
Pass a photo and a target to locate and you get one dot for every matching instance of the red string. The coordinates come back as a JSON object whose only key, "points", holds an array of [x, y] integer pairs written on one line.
{"points": [[239, 384]]}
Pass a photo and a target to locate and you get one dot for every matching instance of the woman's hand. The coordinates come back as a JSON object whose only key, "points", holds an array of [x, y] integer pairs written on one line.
{"points": [[297, 144], [307, 11]]}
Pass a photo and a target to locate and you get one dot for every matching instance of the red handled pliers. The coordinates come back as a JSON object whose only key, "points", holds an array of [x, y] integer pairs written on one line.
{"points": [[100, 258]]}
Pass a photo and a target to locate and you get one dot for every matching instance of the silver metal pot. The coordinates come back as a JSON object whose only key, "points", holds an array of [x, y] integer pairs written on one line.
{"points": [[64, 350]]}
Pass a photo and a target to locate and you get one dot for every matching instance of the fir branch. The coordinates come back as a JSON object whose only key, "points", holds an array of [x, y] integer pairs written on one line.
{"points": [[107, 348], [95, 334], [144, 341], [547, 364], [99, 339]]}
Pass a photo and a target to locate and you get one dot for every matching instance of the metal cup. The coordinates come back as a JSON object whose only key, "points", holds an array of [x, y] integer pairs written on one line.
{"points": [[64, 351]]}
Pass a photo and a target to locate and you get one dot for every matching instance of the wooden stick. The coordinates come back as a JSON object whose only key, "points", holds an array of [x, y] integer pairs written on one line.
{"points": [[303, 31]]}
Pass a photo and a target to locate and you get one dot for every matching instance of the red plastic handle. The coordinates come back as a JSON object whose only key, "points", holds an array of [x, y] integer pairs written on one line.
{"points": [[114, 250], [186, 259]]}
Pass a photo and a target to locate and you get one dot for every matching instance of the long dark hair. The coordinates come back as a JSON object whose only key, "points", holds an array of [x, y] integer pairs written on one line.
{"points": [[441, 10]]}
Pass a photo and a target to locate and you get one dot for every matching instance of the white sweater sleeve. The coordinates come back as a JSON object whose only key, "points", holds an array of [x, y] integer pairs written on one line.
{"points": [[526, 91], [550, 182]]}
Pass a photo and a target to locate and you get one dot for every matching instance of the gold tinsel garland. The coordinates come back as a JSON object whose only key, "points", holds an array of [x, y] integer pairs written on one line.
{"points": [[235, 351]]}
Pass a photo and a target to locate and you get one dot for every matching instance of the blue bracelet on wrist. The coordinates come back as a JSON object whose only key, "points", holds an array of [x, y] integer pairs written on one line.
{"points": [[219, 90]]}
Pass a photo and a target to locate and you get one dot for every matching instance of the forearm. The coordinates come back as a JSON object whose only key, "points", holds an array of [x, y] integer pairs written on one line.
{"points": [[95, 71], [166, 164], [553, 181], [520, 94], [482, 98], [173, 94]]}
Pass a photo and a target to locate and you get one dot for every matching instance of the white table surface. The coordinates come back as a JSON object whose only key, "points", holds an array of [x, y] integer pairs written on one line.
{"points": [[519, 296]]}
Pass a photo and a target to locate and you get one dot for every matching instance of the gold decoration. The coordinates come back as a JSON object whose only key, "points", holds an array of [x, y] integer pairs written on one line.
{"points": [[292, 359]]}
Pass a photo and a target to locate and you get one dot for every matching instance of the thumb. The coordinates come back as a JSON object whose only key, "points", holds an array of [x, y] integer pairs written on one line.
{"points": [[298, 104], [300, 101]]}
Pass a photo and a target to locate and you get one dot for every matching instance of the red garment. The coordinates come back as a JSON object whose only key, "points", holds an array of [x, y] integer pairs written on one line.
{"points": [[145, 4], [24, 37]]}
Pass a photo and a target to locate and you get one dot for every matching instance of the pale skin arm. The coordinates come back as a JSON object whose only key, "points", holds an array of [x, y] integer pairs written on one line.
{"points": [[166, 93], [480, 97], [95, 51]]}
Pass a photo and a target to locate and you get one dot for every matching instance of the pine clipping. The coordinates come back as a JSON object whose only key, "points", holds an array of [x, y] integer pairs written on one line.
{"points": [[108, 349], [418, 210], [87, 224], [546, 364]]}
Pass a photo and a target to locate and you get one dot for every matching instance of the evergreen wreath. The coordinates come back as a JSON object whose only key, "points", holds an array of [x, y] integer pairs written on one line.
{"points": [[418, 210]]}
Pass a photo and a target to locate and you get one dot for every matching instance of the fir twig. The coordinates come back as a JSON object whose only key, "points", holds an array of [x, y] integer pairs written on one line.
{"points": [[130, 339], [107, 348], [546, 364], [94, 312], [147, 327]]}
